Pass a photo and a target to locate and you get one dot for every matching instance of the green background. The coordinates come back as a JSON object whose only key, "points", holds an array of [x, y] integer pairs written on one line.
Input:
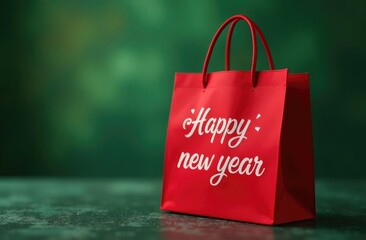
{"points": [[86, 85]]}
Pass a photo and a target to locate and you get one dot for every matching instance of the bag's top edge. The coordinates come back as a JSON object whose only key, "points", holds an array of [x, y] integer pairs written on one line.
{"points": [[276, 78], [244, 71]]}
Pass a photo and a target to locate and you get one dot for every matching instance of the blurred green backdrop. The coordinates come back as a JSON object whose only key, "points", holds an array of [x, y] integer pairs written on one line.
{"points": [[86, 85]]}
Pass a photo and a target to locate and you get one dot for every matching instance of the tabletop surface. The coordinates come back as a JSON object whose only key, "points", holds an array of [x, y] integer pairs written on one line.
{"points": [[129, 209]]}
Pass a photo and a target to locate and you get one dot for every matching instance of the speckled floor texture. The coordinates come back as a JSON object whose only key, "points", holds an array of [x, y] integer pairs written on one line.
{"points": [[127, 209]]}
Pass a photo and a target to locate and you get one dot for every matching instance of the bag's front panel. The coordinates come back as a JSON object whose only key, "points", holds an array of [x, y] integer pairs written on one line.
{"points": [[222, 146]]}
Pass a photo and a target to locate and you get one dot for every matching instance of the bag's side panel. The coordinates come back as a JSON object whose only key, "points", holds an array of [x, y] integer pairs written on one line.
{"points": [[295, 199]]}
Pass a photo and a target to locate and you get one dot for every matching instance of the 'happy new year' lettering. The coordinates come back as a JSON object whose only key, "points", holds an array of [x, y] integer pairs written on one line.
{"points": [[230, 131]]}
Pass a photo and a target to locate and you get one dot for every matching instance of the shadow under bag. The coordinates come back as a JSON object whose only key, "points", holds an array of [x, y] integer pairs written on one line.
{"points": [[239, 143]]}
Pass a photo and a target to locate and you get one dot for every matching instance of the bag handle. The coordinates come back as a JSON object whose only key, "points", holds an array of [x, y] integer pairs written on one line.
{"points": [[263, 39], [213, 42]]}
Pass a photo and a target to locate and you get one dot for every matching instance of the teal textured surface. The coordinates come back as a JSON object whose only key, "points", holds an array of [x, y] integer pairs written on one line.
{"points": [[129, 209]]}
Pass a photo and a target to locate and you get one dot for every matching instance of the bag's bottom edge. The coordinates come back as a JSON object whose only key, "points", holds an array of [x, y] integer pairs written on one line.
{"points": [[266, 223]]}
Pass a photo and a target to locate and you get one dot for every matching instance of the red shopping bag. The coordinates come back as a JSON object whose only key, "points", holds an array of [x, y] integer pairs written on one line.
{"points": [[239, 143]]}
